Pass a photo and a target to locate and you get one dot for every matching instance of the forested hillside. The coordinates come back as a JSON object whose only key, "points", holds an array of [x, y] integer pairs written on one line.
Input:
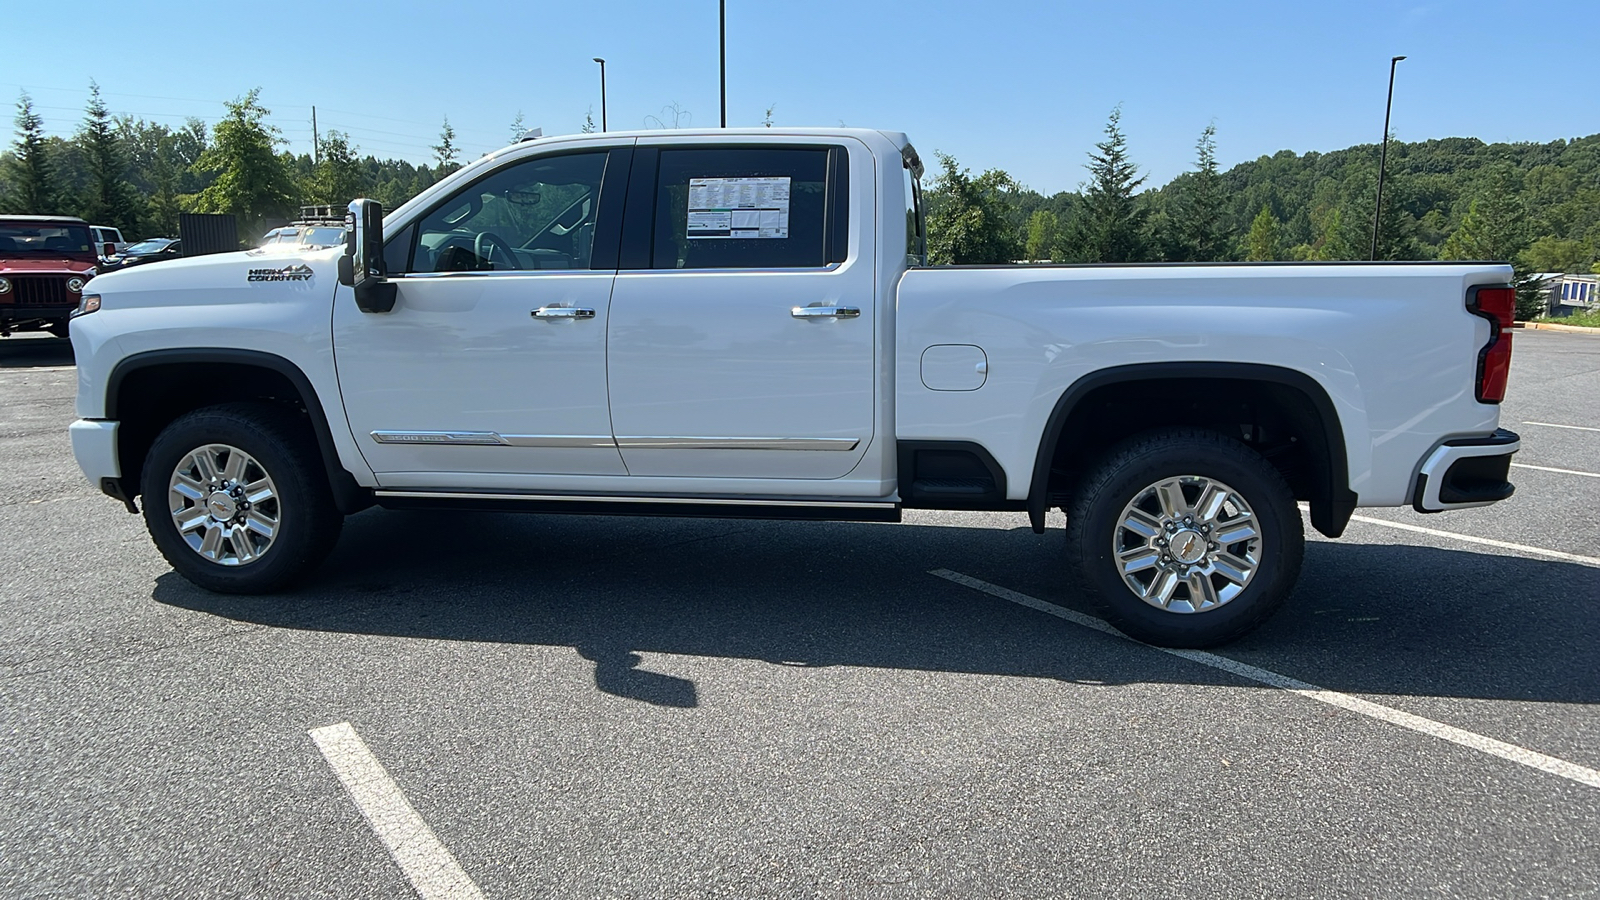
{"points": [[1455, 198]]}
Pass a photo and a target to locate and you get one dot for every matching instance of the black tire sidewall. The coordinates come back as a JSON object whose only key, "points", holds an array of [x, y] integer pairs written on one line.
{"points": [[305, 506], [1140, 463]]}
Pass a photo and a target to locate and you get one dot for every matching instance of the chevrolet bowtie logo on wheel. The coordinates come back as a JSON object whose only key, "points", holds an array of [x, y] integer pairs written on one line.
{"points": [[300, 272]]}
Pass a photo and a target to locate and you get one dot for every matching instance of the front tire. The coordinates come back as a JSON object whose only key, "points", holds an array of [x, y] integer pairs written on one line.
{"points": [[236, 499], [1185, 538]]}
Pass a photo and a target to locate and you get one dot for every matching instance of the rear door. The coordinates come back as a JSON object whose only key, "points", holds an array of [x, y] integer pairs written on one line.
{"points": [[742, 320]]}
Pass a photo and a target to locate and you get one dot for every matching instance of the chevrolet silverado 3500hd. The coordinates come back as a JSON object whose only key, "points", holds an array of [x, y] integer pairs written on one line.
{"points": [[741, 323]]}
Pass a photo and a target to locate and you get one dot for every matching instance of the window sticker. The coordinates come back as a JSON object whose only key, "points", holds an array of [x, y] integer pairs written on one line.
{"points": [[738, 208]]}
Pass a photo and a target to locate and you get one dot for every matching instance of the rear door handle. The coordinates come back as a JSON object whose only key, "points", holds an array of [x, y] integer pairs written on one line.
{"points": [[562, 312], [825, 312]]}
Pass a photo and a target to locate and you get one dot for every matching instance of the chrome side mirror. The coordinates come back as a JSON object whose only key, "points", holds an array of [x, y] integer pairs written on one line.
{"points": [[361, 267]]}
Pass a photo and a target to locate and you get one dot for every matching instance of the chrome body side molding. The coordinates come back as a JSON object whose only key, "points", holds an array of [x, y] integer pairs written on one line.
{"points": [[493, 439]]}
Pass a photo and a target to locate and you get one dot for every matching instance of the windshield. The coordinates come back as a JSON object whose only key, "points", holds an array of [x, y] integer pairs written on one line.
{"points": [[154, 245], [323, 237], [26, 239]]}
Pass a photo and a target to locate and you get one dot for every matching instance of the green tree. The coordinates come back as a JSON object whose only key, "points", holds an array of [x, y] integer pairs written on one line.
{"points": [[338, 176], [1552, 254], [109, 199], [32, 189], [1044, 233], [1262, 243], [446, 150], [588, 122], [1496, 229], [1198, 210], [967, 218], [518, 127], [1109, 225], [251, 181]]}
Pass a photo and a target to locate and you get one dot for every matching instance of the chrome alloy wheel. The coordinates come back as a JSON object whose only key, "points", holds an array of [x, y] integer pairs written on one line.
{"points": [[224, 504], [1187, 544]]}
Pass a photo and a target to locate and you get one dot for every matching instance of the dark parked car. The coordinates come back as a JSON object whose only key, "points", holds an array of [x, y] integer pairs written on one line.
{"points": [[148, 251]]}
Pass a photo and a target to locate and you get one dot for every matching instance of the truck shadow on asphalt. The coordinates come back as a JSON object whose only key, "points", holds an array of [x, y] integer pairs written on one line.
{"points": [[34, 351], [1366, 618]]}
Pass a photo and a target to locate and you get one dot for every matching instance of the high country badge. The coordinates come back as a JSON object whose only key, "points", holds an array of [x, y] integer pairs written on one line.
{"points": [[300, 272]]}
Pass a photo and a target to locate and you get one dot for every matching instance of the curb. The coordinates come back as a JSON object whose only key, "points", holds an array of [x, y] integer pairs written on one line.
{"points": [[1551, 326]]}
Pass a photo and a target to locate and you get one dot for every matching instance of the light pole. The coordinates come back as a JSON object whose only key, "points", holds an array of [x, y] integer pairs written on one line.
{"points": [[722, 29], [602, 92], [1383, 156]]}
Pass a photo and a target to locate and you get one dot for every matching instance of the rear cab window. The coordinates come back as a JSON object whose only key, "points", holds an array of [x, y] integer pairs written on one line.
{"points": [[749, 208]]}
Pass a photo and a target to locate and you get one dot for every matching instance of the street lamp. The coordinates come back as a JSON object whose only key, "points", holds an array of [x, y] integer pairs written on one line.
{"points": [[602, 63], [1383, 156], [722, 30]]}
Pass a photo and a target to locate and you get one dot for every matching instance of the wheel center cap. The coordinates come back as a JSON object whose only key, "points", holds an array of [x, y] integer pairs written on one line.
{"points": [[222, 506], [1188, 547]]}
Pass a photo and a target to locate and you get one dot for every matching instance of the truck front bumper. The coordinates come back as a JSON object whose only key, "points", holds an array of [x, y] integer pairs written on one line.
{"points": [[94, 446], [1462, 473]]}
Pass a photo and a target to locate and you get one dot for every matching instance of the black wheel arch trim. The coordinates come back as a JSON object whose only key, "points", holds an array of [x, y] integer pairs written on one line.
{"points": [[348, 496], [1332, 503]]}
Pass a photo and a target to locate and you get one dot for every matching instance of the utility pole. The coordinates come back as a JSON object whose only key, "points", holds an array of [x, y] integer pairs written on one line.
{"points": [[602, 63], [315, 143], [1383, 157], [722, 23]]}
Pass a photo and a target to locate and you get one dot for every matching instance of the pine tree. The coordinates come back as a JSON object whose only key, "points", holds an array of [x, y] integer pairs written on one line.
{"points": [[252, 181], [1197, 214], [588, 122], [109, 199], [1262, 243], [1496, 230], [1109, 225], [518, 127], [446, 150], [32, 185]]}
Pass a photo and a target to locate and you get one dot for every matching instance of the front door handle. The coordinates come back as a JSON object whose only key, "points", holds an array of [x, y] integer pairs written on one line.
{"points": [[562, 312], [825, 312]]}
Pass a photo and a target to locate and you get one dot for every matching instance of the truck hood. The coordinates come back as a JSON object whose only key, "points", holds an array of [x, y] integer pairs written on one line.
{"points": [[44, 265], [245, 277]]}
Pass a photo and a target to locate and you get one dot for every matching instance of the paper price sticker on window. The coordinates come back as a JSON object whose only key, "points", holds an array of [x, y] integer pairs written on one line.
{"points": [[738, 208]]}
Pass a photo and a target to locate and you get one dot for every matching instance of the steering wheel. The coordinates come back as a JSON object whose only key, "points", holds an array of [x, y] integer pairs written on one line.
{"points": [[485, 245]]}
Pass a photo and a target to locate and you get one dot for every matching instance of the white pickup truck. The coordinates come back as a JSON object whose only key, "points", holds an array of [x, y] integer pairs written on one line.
{"points": [[741, 323]]}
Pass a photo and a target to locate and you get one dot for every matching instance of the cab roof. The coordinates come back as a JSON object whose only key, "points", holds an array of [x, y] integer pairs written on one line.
{"points": [[59, 220]]}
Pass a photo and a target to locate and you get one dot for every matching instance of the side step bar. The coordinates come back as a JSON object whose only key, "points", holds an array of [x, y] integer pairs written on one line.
{"points": [[700, 507]]}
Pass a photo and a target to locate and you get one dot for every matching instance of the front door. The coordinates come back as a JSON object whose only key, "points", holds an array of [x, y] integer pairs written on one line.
{"points": [[491, 367], [742, 321]]}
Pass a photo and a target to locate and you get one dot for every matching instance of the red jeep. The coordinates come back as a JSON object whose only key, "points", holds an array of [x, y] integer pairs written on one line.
{"points": [[44, 262]]}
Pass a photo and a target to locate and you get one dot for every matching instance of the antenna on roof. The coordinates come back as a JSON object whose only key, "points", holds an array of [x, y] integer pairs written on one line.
{"points": [[532, 134]]}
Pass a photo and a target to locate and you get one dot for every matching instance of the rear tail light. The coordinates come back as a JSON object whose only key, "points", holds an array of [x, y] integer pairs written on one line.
{"points": [[1498, 305]]}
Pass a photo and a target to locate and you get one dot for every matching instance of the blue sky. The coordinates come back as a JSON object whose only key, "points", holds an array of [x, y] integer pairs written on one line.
{"points": [[1020, 86]]}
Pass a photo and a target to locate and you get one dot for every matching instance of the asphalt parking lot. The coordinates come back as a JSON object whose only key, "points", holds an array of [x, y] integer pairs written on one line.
{"points": [[616, 707]]}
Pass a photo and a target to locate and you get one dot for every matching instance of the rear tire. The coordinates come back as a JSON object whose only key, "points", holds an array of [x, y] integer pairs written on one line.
{"points": [[1185, 538], [236, 498]]}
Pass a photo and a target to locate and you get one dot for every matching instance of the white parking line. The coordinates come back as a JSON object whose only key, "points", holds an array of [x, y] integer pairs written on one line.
{"points": [[1554, 425], [1551, 469], [427, 864], [1488, 542], [4, 369], [1511, 752]]}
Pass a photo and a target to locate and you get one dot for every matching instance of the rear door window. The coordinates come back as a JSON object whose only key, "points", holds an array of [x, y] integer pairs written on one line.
{"points": [[741, 208]]}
